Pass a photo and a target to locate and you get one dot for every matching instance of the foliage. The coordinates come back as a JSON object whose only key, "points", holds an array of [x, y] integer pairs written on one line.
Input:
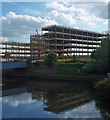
{"points": [[89, 68], [69, 68], [103, 84], [75, 59], [102, 55], [103, 89], [85, 59], [101, 58], [51, 58], [64, 60]]}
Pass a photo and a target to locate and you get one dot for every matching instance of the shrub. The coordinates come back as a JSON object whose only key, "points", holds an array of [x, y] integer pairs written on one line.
{"points": [[51, 58], [69, 68], [89, 68], [103, 84], [75, 59]]}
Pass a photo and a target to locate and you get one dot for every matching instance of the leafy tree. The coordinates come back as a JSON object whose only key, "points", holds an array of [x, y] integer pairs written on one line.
{"points": [[51, 58], [102, 55]]}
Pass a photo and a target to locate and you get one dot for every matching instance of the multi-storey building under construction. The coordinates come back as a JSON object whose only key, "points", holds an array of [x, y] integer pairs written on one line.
{"points": [[64, 41], [14, 51]]}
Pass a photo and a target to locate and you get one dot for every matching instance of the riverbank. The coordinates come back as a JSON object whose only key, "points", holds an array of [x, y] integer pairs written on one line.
{"points": [[68, 72], [49, 75]]}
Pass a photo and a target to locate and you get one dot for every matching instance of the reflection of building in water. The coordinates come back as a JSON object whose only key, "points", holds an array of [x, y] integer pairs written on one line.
{"points": [[66, 102], [58, 98], [37, 95], [13, 91]]}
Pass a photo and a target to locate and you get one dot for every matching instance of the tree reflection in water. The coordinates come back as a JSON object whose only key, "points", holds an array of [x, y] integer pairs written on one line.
{"points": [[104, 106]]}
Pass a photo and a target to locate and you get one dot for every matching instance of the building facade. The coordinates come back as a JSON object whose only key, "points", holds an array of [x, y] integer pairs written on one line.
{"points": [[14, 51], [65, 42]]}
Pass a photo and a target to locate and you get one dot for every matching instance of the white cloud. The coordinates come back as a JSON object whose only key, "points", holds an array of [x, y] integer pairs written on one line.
{"points": [[14, 25], [69, 13], [91, 19], [67, 18], [98, 9], [3, 39], [87, 110], [19, 99], [65, 7], [90, 14], [55, 0]]}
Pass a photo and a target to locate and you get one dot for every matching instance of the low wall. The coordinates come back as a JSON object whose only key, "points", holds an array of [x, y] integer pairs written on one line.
{"points": [[12, 65]]}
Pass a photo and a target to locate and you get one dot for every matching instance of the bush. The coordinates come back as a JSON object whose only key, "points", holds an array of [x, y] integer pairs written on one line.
{"points": [[89, 68], [74, 59], [64, 60], [51, 58], [69, 68], [102, 55], [103, 84]]}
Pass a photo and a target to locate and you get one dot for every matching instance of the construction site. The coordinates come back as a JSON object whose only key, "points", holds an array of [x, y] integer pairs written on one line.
{"points": [[63, 41], [15, 51]]}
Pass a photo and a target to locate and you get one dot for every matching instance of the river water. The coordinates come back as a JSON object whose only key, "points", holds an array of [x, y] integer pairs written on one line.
{"points": [[52, 100]]}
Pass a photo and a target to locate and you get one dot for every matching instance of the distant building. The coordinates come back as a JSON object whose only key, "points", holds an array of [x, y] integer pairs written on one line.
{"points": [[64, 41], [14, 51]]}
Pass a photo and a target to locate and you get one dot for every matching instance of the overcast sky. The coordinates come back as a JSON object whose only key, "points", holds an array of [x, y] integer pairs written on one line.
{"points": [[20, 19]]}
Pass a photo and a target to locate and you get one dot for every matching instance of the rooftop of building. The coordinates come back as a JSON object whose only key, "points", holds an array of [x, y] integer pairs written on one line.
{"points": [[47, 28]]}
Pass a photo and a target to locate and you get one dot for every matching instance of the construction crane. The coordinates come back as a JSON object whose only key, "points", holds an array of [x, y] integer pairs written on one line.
{"points": [[37, 32]]}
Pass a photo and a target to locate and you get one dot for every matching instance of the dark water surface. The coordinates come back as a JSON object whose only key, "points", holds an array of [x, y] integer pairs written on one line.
{"points": [[52, 100]]}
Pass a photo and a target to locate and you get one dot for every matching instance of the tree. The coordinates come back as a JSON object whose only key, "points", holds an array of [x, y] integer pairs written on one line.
{"points": [[51, 58], [102, 55]]}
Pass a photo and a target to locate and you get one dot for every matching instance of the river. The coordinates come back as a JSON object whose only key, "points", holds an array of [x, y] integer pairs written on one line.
{"points": [[52, 100]]}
